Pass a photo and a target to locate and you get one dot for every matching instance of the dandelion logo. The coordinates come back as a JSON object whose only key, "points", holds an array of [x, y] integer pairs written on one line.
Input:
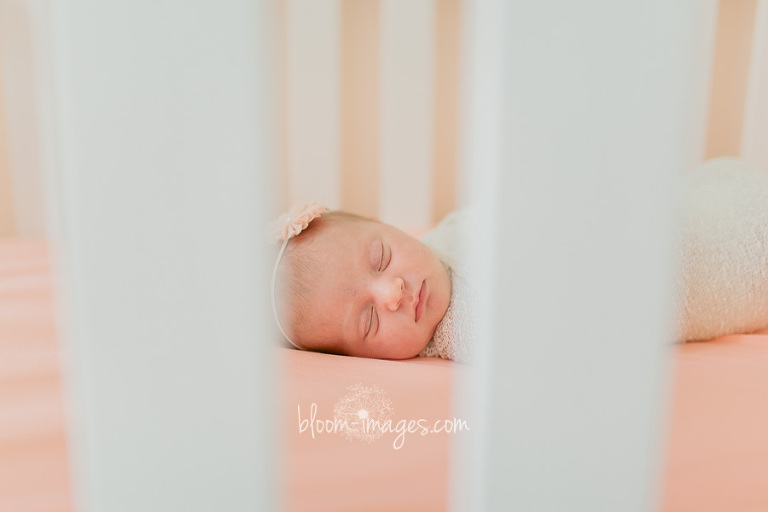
{"points": [[364, 411]]}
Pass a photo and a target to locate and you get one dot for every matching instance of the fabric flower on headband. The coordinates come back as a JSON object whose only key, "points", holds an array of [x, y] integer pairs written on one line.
{"points": [[295, 221]]}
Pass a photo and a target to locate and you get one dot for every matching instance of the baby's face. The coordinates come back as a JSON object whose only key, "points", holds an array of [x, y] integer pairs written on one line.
{"points": [[381, 293]]}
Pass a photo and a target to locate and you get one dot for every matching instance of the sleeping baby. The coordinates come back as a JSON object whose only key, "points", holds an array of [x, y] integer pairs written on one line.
{"points": [[352, 285]]}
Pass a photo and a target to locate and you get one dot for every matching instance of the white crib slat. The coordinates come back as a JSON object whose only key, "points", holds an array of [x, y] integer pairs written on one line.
{"points": [[164, 150], [407, 45], [481, 136], [580, 123], [754, 142], [312, 48]]}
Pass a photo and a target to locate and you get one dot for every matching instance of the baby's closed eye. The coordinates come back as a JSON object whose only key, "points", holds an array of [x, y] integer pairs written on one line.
{"points": [[376, 255], [385, 257]]}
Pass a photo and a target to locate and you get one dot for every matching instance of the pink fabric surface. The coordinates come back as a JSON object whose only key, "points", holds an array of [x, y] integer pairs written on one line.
{"points": [[717, 441], [717, 445], [33, 458], [332, 472]]}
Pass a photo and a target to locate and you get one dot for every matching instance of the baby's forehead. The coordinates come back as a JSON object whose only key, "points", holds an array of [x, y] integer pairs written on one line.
{"points": [[352, 231], [347, 245]]}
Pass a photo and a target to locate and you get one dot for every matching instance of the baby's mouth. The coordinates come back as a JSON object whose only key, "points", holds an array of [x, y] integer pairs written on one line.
{"points": [[421, 303]]}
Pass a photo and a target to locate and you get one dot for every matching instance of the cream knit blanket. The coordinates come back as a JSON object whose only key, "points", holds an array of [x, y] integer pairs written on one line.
{"points": [[456, 334], [723, 285], [722, 277]]}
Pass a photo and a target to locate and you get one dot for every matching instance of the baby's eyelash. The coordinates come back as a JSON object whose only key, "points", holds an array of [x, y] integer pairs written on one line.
{"points": [[382, 264], [381, 257]]}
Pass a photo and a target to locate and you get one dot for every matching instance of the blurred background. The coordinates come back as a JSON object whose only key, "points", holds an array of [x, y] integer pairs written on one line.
{"points": [[369, 106]]}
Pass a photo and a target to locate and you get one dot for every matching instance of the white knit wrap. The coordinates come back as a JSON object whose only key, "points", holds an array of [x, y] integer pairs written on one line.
{"points": [[456, 335], [722, 275], [723, 287]]}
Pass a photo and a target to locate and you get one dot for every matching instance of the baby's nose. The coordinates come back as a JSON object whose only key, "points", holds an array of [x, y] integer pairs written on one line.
{"points": [[390, 292]]}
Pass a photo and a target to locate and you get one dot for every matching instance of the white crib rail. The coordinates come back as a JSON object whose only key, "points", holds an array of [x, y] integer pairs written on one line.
{"points": [[312, 99], [407, 73], [580, 115], [163, 137]]}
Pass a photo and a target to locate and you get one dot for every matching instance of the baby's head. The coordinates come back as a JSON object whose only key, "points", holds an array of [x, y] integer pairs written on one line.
{"points": [[355, 286]]}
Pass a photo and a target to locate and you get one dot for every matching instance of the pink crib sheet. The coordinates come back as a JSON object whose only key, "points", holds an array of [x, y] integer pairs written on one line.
{"points": [[717, 443], [33, 459], [338, 472]]}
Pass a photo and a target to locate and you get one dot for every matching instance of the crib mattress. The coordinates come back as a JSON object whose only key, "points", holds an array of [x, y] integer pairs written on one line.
{"points": [[716, 442]]}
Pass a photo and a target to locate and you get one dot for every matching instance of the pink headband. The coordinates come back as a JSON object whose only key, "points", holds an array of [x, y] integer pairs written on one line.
{"points": [[287, 226]]}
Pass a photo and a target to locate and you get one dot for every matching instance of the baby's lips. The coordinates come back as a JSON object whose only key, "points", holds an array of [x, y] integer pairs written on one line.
{"points": [[419, 302]]}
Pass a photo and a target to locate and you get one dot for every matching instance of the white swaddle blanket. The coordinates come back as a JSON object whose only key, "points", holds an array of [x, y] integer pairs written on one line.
{"points": [[456, 334], [722, 277], [723, 283]]}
